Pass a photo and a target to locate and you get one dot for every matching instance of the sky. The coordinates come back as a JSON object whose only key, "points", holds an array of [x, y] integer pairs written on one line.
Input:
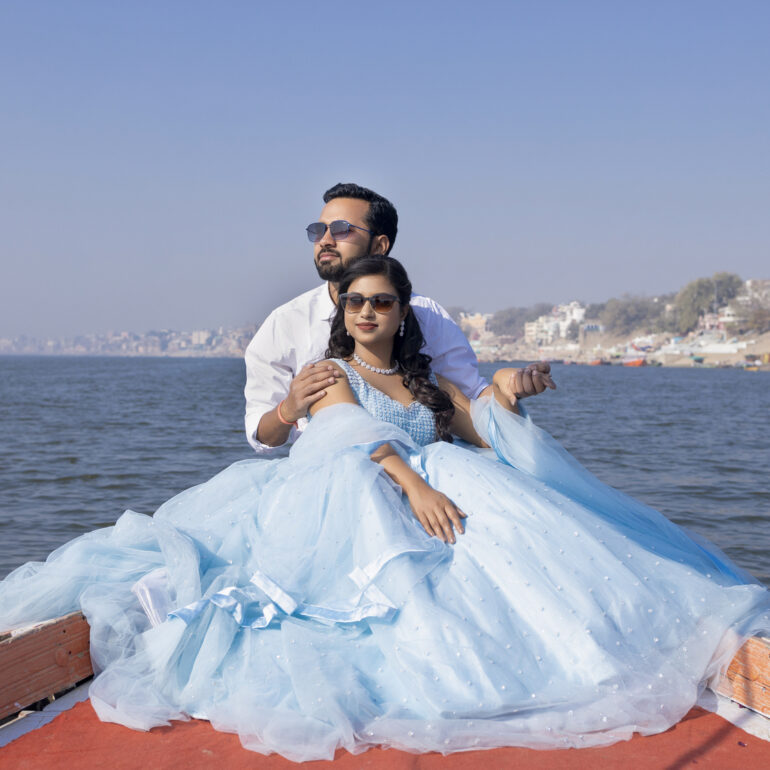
{"points": [[159, 160]]}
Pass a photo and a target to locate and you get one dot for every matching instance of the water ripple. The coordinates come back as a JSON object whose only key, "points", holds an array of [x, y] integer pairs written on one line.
{"points": [[85, 439]]}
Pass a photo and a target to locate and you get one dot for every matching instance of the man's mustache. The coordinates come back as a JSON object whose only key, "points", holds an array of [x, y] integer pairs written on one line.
{"points": [[329, 251]]}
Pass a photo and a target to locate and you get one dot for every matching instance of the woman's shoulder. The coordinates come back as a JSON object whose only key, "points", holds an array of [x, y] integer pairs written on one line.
{"points": [[338, 364]]}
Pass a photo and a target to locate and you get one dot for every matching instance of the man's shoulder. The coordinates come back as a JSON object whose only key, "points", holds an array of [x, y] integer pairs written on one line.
{"points": [[301, 313], [305, 305], [304, 302], [427, 307]]}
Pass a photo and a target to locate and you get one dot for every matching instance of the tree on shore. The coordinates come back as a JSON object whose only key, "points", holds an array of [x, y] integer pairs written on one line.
{"points": [[759, 318], [510, 322], [704, 295], [627, 314]]}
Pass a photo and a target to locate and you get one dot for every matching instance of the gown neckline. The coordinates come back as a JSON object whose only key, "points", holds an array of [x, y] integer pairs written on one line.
{"points": [[368, 384]]}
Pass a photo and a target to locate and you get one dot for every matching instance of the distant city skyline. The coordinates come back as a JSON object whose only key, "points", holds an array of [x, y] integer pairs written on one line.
{"points": [[163, 159]]}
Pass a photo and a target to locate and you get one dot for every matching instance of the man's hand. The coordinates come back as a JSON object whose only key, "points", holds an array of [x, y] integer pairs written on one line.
{"points": [[522, 383], [307, 388]]}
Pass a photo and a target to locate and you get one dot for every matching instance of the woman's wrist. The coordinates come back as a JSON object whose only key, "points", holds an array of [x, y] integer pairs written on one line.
{"points": [[412, 482]]}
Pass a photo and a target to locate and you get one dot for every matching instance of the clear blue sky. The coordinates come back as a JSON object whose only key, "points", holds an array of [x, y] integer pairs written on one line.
{"points": [[160, 160]]}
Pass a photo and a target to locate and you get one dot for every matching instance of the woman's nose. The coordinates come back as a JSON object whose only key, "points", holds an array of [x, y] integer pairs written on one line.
{"points": [[367, 310]]}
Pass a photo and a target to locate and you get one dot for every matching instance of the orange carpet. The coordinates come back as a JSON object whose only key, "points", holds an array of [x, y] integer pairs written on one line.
{"points": [[78, 740]]}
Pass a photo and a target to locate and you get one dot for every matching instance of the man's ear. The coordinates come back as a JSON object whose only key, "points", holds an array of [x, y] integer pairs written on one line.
{"points": [[380, 245]]}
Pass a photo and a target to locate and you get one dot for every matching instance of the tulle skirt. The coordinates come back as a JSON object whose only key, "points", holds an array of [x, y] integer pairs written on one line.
{"points": [[299, 603]]}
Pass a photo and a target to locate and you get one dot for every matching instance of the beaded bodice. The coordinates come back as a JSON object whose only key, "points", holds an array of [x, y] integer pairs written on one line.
{"points": [[416, 419]]}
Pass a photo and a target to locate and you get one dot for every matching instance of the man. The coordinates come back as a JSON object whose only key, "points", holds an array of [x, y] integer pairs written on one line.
{"points": [[282, 378]]}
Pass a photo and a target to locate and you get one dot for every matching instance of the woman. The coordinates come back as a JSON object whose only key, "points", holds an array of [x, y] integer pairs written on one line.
{"points": [[381, 587]]}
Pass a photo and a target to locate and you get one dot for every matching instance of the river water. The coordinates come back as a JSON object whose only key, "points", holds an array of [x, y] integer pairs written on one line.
{"points": [[83, 439]]}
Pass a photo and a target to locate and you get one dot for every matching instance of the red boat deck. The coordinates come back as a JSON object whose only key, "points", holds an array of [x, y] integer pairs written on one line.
{"points": [[78, 739], [46, 657]]}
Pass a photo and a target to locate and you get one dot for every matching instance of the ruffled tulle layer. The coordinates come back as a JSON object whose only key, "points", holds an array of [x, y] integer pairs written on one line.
{"points": [[299, 603]]}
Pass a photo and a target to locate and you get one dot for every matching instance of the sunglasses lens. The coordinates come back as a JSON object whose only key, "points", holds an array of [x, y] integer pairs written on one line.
{"points": [[315, 231], [383, 302], [352, 302], [339, 229]]}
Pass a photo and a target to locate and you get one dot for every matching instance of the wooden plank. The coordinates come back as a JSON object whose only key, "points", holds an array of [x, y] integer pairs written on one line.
{"points": [[42, 660], [747, 680]]}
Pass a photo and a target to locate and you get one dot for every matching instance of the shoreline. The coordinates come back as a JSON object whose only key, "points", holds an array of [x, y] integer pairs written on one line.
{"points": [[702, 350]]}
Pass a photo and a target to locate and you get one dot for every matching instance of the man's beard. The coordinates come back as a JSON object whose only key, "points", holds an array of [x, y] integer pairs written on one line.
{"points": [[333, 271], [330, 271]]}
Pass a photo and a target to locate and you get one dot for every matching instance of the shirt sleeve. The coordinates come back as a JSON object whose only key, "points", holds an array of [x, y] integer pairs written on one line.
{"points": [[269, 372], [449, 348]]}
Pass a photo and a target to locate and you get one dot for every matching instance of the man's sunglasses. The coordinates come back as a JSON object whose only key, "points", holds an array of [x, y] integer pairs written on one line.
{"points": [[352, 302], [339, 229]]}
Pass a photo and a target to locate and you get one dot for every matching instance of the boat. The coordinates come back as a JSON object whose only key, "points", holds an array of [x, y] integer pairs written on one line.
{"points": [[635, 362]]}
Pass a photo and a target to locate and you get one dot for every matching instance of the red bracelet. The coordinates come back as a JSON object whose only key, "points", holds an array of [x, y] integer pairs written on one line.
{"points": [[280, 416]]}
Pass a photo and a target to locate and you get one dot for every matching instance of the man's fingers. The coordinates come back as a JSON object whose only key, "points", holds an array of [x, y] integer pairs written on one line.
{"points": [[311, 386], [537, 382], [543, 369], [315, 375]]}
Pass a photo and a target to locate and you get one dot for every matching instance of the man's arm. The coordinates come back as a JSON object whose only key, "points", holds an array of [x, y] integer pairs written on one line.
{"points": [[453, 357], [308, 387], [272, 384], [269, 371]]}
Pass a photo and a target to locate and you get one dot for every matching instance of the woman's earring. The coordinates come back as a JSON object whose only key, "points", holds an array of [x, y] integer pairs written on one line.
{"points": [[401, 328]]}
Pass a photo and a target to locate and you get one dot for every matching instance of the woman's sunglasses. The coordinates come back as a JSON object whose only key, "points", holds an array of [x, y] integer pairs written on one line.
{"points": [[352, 302], [339, 229]]}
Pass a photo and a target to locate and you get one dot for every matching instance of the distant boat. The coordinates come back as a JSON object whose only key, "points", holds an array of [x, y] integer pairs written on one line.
{"points": [[600, 362], [635, 362]]}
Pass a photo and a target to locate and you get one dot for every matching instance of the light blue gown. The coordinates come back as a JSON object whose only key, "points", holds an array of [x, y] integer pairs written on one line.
{"points": [[299, 603]]}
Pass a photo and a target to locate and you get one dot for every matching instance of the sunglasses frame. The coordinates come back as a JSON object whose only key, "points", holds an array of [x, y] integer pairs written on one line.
{"points": [[375, 298], [342, 235]]}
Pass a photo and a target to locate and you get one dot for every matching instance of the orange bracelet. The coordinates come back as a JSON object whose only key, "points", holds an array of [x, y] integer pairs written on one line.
{"points": [[280, 416]]}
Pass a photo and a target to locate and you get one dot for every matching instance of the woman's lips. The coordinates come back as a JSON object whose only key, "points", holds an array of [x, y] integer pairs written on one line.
{"points": [[366, 327]]}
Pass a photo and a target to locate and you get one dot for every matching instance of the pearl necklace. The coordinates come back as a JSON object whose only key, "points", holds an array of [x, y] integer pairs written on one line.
{"points": [[374, 369]]}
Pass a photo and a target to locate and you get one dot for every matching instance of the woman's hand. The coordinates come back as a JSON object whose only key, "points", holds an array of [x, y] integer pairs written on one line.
{"points": [[435, 511]]}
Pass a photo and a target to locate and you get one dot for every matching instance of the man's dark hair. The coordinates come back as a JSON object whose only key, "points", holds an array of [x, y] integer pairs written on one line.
{"points": [[382, 218]]}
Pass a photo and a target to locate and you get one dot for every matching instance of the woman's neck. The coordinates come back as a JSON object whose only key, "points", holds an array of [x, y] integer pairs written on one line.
{"points": [[379, 355]]}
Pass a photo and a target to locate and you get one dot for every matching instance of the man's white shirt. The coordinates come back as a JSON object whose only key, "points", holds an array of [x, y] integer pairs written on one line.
{"points": [[297, 334]]}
